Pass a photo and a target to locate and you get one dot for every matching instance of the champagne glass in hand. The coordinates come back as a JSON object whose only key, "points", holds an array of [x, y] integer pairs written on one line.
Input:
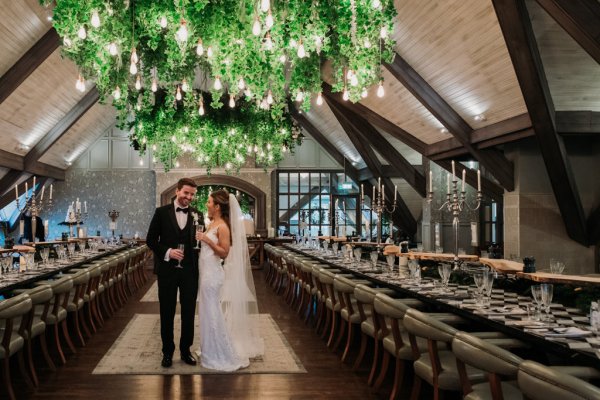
{"points": [[182, 248], [199, 228]]}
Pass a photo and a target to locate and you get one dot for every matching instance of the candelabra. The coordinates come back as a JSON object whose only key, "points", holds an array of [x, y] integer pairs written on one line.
{"points": [[34, 206], [113, 215], [456, 202], [378, 204]]}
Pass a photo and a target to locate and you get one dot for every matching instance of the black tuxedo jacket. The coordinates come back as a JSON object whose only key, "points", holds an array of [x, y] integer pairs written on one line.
{"points": [[163, 234]]}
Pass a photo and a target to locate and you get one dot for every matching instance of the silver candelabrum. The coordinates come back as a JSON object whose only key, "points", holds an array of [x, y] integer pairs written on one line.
{"points": [[113, 215], [34, 206], [378, 204], [456, 202], [75, 217]]}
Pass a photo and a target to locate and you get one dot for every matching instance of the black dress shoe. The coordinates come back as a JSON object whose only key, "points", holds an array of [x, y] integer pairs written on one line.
{"points": [[167, 361], [188, 359]]}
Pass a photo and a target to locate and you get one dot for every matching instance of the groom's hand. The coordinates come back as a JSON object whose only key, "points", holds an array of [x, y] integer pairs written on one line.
{"points": [[176, 254]]}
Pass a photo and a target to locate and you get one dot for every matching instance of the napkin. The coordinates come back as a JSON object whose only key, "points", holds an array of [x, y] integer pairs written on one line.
{"points": [[571, 331]]}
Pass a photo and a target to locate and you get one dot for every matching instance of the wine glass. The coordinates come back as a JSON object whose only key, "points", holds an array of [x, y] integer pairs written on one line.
{"points": [[335, 246], [445, 270], [547, 294], [391, 259], [181, 247], [536, 293], [414, 271], [199, 228], [45, 254], [488, 283], [478, 279], [374, 256]]}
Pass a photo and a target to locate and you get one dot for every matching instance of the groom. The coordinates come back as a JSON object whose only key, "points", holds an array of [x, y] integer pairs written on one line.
{"points": [[171, 226]]}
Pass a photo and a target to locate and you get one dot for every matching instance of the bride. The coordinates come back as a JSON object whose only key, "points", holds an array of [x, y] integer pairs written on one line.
{"points": [[228, 313]]}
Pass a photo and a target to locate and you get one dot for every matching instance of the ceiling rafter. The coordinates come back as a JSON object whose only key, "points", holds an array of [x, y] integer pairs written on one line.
{"points": [[28, 63], [515, 24], [403, 168], [501, 168], [579, 18], [577, 122], [402, 217]]}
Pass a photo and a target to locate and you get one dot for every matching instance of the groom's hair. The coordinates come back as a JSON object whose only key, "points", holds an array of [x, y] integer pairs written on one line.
{"points": [[185, 182]]}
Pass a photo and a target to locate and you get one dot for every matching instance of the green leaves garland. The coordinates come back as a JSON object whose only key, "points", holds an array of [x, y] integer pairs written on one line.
{"points": [[203, 192], [136, 49]]}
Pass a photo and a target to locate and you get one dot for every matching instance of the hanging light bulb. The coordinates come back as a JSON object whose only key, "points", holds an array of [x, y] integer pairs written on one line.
{"points": [[301, 51], [80, 84], [376, 4], [113, 49], [354, 80], [265, 5], [241, 84], [134, 56], [218, 85], [256, 28], [138, 83], [248, 92], [380, 90], [117, 93], [178, 94], [209, 52], [200, 110], [367, 43], [133, 68], [293, 43], [67, 42], [282, 58], [177, 164], [138, 106], [163, 22], [231, 101], [383, 32], [320, 99], [284, 148], [154, 86], [182, 32], [299, 96], [318, 43], [269, 97], [95, 19], [345, 95], [268, 42], [364, 93], [199, 48], [269, 22], [82, 33], [184, 86]]}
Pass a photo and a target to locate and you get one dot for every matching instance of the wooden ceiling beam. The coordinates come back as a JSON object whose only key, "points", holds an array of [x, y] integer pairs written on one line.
{"points": [[402, 217], [62, 127], [8, 182], [365, 173], [515, 24], [579, 18], [28, 63], [488, 187], [577, 122], [371, 135], [501, 168]]}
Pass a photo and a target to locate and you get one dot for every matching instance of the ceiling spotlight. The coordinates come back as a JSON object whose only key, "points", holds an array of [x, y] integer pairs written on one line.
{"points": [[479, 117], [443, 130]]}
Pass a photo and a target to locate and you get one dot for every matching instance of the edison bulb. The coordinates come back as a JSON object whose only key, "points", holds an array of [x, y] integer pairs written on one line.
{"points": [[231, 101], [301, 51], [184, 86], [153, 147], [270, 97], [82, 33], [154, 86], [383, 32], [248, 92], [218, 85], [265, 5], [300, 96], [364, 93], [268, 43], [269, 22], [282, 58], [380, 90], [345, 95], [320, 99], [376, 4], [209, 52], [200, 48], [95, 19], [113, 49], [201, 109], [178, 94], [138, 83], [134, 56], [163, 22], [367, 44], [354, 80], [241, 84], [117, 93], [80, 84], [256, 28], [182, 32], [133, 68]]}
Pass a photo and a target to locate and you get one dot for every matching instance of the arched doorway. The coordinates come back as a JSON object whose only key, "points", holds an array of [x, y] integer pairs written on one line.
{"points": [[260, 198]]}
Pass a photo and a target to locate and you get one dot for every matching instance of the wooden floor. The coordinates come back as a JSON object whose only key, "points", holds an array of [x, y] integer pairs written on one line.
{"points": [[327, 377]]}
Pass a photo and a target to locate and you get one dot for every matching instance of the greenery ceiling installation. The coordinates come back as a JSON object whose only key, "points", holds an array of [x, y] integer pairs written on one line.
{"points": [[159, 59]]}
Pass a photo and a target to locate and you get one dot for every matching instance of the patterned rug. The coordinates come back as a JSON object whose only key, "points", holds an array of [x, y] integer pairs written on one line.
{"points": [[137, 351]]}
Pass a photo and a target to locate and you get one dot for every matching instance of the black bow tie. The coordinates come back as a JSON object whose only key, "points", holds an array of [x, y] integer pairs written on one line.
{"points": [[183, 210]]}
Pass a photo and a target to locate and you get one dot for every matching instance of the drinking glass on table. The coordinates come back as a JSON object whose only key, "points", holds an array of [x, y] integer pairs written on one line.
{"points": [[415, 271], [478, 279], [390, 259], [335, 246], [374, 256], [547, 294], [445, 270], [488, 283], [182, 248], [357, 253], [536, 293], [556, 266], [45, 254]]}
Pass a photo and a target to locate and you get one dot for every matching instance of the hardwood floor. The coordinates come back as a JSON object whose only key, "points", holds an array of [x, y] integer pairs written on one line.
{"points": [[327, 377]]}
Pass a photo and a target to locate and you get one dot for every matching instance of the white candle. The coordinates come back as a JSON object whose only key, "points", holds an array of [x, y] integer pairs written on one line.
{"points": [[26, 189], [77, 205], [16, 192], [21, 227], [453, 170], [42, 195], [463, 179], [395, 192], [379, 184], [431, 181], [51, 191], [373, 198], [33, 187], [362, 191], [46, 223], [85, 206], [383, 192], [479, 180], [448, 182]]}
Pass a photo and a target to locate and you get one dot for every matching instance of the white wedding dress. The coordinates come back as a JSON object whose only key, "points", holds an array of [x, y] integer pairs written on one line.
{"points": [[228, 313]]}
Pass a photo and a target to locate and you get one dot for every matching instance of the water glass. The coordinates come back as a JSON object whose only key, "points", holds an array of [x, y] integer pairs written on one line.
{"points": [[488, 283], [357, 254], [478, 279], [556, 266], [71, 249], [445, 270], [420, 247], [547, 294], [595, 318], [45, 254], [325, 246], [374, 256], [5, 264], [335, 247], [415, 271], [390, 259], [536, 293]]}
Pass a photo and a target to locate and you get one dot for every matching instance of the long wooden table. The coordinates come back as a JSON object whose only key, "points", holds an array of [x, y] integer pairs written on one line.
{"points": [[256, 246], [561, 350], [546, 277]]}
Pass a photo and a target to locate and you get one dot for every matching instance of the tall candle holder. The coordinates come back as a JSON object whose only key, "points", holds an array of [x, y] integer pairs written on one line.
{"points": [[378, 204], [34, 206], [113, 215], [456, 202], [76, 216]]}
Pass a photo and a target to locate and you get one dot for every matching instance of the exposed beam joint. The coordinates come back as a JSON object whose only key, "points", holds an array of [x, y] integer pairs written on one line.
{"points": [[34, 57], [495, 163], [515, 24], [579, 18]]}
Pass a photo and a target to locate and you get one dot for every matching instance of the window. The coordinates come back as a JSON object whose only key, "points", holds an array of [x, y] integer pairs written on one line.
{"points": [[491, 223]]}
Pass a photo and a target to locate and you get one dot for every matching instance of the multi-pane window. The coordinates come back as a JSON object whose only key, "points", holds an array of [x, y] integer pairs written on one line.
{"points": [[491, 223]]}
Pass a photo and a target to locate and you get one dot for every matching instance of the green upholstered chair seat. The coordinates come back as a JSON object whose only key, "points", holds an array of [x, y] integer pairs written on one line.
{"points": [[16, 344]]}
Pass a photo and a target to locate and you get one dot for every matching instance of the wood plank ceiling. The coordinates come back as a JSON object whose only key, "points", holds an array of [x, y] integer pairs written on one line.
{"points": [[455, 48]]}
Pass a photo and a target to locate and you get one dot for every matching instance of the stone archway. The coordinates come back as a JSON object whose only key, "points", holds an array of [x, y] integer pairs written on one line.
{"points": [[260, 198]]}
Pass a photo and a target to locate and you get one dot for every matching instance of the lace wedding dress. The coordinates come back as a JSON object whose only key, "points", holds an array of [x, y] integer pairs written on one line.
{"points": [[228, 312]]}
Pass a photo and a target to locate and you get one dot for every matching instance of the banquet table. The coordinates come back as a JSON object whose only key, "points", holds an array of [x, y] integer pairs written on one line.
{"points": [[415, 255], [547, 277], [507, 312]]}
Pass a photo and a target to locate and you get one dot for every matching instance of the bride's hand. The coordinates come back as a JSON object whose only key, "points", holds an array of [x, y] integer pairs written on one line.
{"points": [[201, 236]]}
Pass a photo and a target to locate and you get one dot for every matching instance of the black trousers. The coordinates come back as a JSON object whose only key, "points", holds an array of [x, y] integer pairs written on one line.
{"points": [[170, 280]]}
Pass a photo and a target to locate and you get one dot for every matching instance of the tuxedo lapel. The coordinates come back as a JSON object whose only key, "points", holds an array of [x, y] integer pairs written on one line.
{"points": [[172, 218]]}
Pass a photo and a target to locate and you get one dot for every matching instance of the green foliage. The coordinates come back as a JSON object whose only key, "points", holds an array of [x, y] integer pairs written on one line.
{"points": [[203, 192]]}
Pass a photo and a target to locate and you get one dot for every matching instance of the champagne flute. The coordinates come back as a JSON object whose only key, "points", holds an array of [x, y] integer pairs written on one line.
{"points": [[181, 247], [547, 294], [199, 228], [536, 292]]}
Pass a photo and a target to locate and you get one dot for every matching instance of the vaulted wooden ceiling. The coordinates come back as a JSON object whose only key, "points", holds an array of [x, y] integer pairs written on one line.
{"points": [[456, 59]]}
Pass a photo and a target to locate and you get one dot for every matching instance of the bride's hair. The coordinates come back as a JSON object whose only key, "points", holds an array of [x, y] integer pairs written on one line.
{"points": [[221, 197]]}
